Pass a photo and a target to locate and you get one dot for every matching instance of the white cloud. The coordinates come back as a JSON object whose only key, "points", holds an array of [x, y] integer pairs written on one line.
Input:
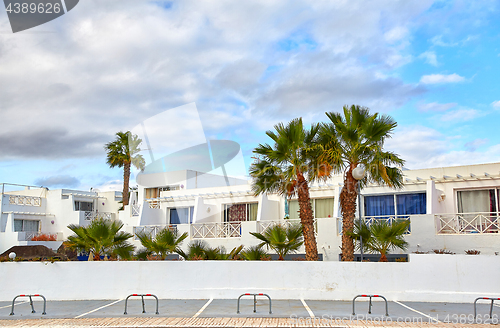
{"points": [[461, 115], [430, 58], [423, 147], [441, 78], [435, 107], [474, 144], [496, 104]]}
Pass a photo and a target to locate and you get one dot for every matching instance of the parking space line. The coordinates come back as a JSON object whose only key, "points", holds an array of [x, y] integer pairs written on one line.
{"points": [[203, 308], [416, 311], [311, 314], [99, 308], [3, 307]]}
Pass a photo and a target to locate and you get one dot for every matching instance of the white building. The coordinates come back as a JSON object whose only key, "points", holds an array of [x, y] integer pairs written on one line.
{"points": [[452, 208], [27, 212]]}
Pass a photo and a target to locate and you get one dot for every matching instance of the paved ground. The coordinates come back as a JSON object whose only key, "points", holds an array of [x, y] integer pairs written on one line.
{"points": [[222, 313]]}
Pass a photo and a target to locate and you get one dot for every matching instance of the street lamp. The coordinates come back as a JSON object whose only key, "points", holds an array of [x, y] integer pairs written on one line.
{"points": [[359, 173]]}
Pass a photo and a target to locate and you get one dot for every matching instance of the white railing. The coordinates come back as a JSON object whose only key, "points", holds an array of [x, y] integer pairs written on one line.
{"points": [[467, 223], [25, 200], [153, 230], [136, 209], [216, 230], [90, 215], [369, 220], [29, 235], [154, 204], [262, 226]]}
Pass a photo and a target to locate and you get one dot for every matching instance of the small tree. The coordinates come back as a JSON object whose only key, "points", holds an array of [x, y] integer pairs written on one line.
{"points": [[102, 237], [165, 242], [381, 237], [281, 239]]}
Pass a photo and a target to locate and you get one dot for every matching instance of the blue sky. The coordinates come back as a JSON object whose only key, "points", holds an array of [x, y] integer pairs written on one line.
{"points": [[67, 86]]}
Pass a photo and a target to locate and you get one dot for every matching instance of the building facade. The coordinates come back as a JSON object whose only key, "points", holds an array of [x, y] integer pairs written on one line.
{"points": [[453, 208]]}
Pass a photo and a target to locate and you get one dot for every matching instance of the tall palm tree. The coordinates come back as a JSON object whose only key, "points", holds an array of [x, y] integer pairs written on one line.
{"points": [[102, 237], [287, 168], [357, 138], [123, 152], [281, 239], [165, 242], [381, 237]]}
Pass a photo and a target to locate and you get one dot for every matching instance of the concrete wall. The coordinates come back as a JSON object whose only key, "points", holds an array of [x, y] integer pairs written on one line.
{"points": [[437, 278]]}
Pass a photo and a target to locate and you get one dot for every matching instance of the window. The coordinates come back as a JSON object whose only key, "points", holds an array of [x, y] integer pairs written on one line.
{"points": [[322, 208], [474, 201], [152, 193], [396, 204], [240, 212], [26, 225], [181, 215], [84, 206]]}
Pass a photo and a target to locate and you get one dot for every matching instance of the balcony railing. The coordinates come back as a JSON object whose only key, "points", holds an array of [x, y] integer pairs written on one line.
{"points": [[136, 209], [153, 230], [262, 226], [29, 235], [216, 230], [467, 223], [90, 215], [25, 200]]}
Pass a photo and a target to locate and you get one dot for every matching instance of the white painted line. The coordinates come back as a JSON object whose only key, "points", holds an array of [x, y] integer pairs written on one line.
{"points": [[3, 307], [311, 314], [203, 308], [416, 311], [102, 307]]}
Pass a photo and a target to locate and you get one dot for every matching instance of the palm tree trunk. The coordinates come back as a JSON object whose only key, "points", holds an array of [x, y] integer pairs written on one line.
{"points": [[126, 178], [306, 218], [348, 209], [383, 258]]}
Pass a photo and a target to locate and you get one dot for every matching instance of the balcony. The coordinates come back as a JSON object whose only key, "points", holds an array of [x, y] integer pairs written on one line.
{"points": [[467, 223], [216, 230]]}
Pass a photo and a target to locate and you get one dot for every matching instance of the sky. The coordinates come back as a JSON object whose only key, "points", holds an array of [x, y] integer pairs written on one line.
{"points": [[67, 86]]}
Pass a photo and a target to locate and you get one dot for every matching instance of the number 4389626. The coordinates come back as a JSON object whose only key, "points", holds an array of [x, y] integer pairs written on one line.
{"points": [[32, 8]]}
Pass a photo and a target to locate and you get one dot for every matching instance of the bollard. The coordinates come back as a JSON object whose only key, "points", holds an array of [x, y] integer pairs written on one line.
{"points": [[143, 305], [254, 301], [485, 298], [31, 303], [370, 304]]}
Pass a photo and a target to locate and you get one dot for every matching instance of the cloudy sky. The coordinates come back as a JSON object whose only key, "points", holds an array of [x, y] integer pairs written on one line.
{"points": [[67, 86]]}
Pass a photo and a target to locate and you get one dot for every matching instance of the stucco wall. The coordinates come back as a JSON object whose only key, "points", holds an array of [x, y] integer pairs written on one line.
{"points": [[439, 278]]}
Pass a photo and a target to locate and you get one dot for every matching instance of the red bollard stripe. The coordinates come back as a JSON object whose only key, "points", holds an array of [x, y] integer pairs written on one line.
{"points": [[148, 294], [363, 295], [135, 295], [22, 295], [261, 294], [36, 295], [375, 295]]}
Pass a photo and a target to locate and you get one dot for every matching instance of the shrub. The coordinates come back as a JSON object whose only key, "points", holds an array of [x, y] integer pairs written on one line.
{"points": [[472, 252], [401, 259], [442, 251], [45, 237]]}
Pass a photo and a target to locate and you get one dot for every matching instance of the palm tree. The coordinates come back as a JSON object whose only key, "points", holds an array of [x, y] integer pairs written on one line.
{"points": [[357, 138], [381, 236], [254, 253], [165, 242], [200, 250], [287, 168], [281, 239], [123, 152], [102, 237]]}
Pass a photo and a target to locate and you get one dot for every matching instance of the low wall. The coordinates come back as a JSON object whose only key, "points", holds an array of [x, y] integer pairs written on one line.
{"points": [[438, 278]]}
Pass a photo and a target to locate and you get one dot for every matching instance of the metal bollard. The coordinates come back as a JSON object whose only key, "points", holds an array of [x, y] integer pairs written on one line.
{"points": [[254, 301], [31, 303], [485, 298], [370, 304], [142, 299]]}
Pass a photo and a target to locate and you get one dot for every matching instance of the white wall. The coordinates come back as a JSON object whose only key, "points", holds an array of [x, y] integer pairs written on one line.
{"points": [[429, 278]]}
